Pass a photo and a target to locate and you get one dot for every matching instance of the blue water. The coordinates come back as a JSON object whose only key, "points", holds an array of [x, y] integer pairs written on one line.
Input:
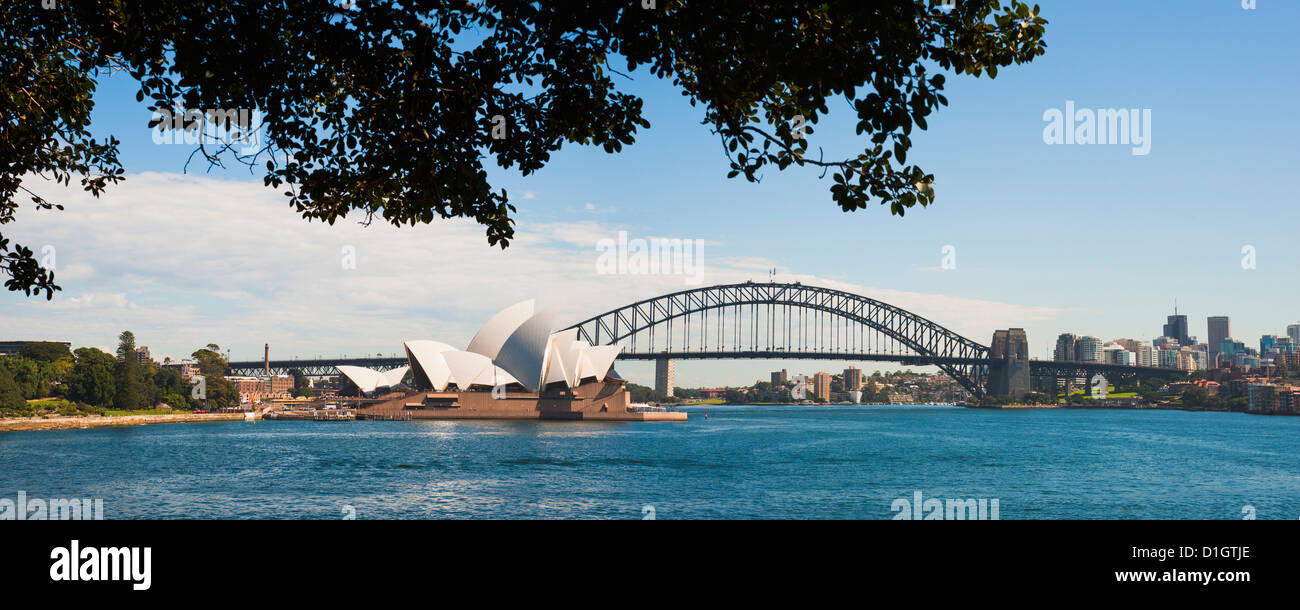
{"points": [[742, 462]]}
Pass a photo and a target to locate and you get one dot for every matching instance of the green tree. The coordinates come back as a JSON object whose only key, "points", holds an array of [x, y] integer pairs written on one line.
{"points": [[394, 109], [220, 392], [171, 388], [1196, 397], [302, 386], [94, 377], [11, 396], [131, 391], [35, 379]]}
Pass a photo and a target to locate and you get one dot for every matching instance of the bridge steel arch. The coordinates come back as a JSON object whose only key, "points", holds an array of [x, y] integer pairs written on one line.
{"points": [[964, 360]]}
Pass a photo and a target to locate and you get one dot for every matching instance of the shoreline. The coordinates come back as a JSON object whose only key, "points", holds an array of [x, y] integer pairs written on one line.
{"points": [[98, 421]]}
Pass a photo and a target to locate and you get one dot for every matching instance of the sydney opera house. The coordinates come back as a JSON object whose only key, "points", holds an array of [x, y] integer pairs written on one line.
{"points": [[513, 368]]}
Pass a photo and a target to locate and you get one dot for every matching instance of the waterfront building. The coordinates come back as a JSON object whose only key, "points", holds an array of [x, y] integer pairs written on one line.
{"points": [[1066, 347], [265, 387], [515, 367], [665, 376], [822, 385], [852, 379], [1262, 397], [1220, 328], [249, 389], [779, 378]]}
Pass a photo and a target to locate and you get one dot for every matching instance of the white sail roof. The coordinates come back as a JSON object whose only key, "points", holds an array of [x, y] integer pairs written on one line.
{"points": [[469, 368], [598, 359], [514, 346], [562, 361], [393, 377], [369, 380], [524, 353], [426, 358], [490, 338]]}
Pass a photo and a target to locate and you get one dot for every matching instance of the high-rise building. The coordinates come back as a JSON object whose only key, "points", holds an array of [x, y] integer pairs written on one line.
{"points": [[1176, 328], [1266, 343], [1293, 331], [852, 379], [1089, 349], [1065, 347], [1146, 355], [1116, 354], [142, 355], [1167, 358], [1220, 328], [779, 378], [1166, 343], [665, 375], [1229, 348], [822, 385]]}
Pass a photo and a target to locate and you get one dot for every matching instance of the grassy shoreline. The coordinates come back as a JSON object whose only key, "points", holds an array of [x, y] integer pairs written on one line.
{"points": [[14, 424]]}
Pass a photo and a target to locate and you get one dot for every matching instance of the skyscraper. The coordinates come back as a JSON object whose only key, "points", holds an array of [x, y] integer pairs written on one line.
{"points": [[1176, 328], [822, 385], [852, 378], [665, 375], [1089, 349], [1065, 349], [1293, 331], [1220, 329]]}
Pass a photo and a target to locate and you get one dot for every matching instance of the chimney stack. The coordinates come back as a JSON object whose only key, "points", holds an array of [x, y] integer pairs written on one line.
{"points": [[267, 353]]}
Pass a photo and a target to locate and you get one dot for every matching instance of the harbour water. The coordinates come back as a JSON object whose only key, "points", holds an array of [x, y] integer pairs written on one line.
{"points": [[740, 462]]}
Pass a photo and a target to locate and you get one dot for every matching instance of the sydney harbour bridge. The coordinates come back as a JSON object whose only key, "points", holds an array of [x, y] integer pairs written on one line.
{"points": [[779, 321]]}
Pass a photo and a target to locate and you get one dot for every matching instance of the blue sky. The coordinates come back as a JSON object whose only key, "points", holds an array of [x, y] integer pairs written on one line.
{"points": [[1087, 239]]}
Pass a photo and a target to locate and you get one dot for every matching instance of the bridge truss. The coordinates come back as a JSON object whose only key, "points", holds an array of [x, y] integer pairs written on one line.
{"points": [[781, 321]]}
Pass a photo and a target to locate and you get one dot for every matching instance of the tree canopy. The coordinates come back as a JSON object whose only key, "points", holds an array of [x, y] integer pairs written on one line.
{"points": [[393, 110]]}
